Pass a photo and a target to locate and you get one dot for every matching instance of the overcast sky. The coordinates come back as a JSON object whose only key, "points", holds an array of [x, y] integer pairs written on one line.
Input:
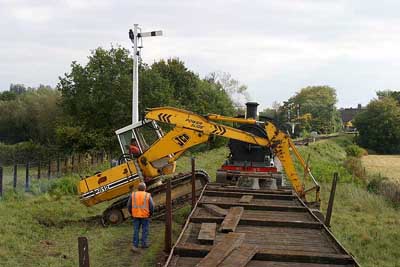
{"points": [[274, 47]]}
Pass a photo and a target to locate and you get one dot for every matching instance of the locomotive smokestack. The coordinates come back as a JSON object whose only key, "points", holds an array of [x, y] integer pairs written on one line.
{"points": [[251, 110]]}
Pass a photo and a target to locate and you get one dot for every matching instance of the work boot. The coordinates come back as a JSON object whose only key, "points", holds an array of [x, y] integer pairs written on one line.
{"points": [[145, 246], [134, 248]]}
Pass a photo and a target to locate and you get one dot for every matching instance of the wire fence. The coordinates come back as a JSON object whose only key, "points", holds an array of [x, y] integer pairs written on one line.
{"points": [[20, 176]]}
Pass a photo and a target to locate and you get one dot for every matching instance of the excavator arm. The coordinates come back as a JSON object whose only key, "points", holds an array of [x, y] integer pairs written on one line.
{"points": [[192, 129]]}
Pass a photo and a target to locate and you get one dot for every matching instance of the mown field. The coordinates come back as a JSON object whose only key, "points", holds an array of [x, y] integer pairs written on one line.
{"points": [[383, 165], [42, 229]]}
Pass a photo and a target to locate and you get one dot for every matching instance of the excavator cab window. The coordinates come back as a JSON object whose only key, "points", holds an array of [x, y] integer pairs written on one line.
{"points": [[146, 133]]}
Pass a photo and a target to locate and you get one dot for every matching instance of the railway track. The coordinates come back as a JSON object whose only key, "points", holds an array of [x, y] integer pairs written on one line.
{"points": [[234, 226]]}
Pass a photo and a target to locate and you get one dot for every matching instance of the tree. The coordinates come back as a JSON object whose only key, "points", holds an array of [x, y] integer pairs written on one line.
{"points": [[237, 92], [379, 126], [97, 98], [320, 102], [17, 88], [389, 93], [30, 116]]}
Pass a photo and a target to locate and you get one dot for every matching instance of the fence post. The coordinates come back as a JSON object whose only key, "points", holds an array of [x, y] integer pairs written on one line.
{"points": [[38, 170], [110, 158], [168, 218], [83, 248], [66, 164], [27, 176], [193, 182], [49, 170], [58, 166], [1, 182], [79, 162], [331, 199], [15, 176], [72, 162]]}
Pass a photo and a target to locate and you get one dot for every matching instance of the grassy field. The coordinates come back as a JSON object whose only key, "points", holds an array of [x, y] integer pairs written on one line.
{"points": [[42, 229], [383, 165], [365, 223]]}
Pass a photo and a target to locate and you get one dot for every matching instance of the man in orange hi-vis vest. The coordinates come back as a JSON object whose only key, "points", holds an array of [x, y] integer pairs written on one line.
{"points": [[141, 207]]}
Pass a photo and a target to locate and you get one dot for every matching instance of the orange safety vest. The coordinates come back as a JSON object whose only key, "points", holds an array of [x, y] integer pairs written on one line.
{"points": [[140, 204]]}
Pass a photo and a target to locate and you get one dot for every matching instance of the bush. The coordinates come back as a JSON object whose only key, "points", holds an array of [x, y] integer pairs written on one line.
{"points": [[386, 187], [355, 151], [64, 186], [354, 166]]}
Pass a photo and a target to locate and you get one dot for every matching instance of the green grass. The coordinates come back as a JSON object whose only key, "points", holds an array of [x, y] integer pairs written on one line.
{"points": [[365, 223], [209, 161], [42, 229]]}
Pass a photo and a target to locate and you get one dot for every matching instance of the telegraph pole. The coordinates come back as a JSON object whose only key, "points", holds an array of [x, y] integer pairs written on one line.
{"points": [[136, 38]]}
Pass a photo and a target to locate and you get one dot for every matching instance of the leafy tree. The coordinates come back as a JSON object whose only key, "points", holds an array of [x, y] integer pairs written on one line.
{"points": [[389, 93], [237, 92], [7, 96], [17, 88], [97, 99], [320, 102], [29, 116], [379, 126]]}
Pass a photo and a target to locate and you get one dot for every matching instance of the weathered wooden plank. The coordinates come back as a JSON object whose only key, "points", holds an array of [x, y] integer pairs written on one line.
{"points": [[215, 210], [246, 199], [207, 233], [240, 256], [218, 252], [237, 189], [189, 262], [231, 219], [192, 250], [227, 205], [259, 222], [218, 193]]}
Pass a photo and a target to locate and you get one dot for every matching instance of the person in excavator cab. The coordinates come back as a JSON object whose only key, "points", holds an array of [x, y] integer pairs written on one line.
{"points": [[134, 148], [141, 207]]}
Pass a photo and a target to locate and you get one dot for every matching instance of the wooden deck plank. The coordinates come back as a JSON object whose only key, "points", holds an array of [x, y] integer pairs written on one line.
{"points": [[257, 222], [217, 193], [240, 256], [215, 210], [218, 252], [191, 261], [207, 233], [273, 255], [246, 199], [231, 220], [270, 207]]}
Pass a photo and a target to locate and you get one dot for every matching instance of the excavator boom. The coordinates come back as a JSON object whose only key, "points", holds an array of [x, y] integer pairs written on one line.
{"points": [[190, 129]]}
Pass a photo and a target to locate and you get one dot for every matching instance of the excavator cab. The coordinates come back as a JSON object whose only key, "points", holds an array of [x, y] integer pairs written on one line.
{"points": [[146, 133]]}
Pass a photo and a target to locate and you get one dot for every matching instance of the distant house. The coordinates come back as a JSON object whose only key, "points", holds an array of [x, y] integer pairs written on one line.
{"points": [[348, 115]]}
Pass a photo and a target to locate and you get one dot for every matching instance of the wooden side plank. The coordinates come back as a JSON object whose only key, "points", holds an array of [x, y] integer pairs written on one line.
{"points": [[215, 210], [207, 233], [246, 199], [231, 220], [240, 256], [218, 252]]}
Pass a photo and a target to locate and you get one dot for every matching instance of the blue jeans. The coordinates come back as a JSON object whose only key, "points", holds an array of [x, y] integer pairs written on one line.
{"points": [[137, 223]]}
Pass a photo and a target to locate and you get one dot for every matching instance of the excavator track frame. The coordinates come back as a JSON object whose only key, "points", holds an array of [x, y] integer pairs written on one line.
{"points": [[119, 213]]}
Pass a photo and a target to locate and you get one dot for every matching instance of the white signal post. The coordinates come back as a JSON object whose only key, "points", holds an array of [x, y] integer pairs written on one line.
{"points": [[135, 37]]}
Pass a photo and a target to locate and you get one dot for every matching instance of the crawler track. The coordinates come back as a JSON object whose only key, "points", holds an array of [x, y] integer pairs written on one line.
{"points": [[275, 228]]}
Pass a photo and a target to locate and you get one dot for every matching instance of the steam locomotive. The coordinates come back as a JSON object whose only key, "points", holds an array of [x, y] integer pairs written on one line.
{"points": [[247, 161]]}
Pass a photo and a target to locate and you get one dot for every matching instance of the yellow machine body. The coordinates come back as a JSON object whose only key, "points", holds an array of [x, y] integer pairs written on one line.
{"points": [[159, 156], [109, 184]]}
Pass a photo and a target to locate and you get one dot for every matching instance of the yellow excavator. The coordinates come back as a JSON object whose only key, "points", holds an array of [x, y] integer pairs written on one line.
{"points": [[159, 152]]}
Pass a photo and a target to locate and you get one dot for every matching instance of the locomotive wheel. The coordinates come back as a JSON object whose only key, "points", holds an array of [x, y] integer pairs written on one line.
{"points": [[113, 217]]}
